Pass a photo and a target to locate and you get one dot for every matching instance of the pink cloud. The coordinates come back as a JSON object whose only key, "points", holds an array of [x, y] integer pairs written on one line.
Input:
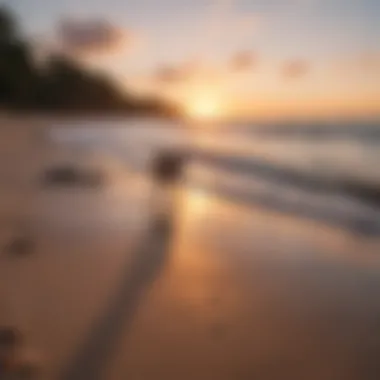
{"points": [[244, 60], [169, 74], [91, 36], [296, 68], [367, 61], [181, 72], [360, 62]]}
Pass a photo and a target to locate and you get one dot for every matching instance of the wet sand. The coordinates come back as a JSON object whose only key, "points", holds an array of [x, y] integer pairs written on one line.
{"points": [[230, 293]]}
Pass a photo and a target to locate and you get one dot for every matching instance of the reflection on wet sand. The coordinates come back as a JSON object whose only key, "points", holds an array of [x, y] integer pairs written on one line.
{"points": [[299, 316], [236, 293], [240, 311]]}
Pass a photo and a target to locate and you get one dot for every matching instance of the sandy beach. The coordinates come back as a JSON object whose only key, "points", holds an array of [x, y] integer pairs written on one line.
{"points": [[232, 292]]}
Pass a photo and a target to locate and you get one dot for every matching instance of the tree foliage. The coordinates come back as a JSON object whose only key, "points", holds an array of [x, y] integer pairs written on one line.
{"points": [[60, 83]]}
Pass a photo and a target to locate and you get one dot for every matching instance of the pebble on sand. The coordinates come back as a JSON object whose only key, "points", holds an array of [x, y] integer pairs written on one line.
{"points": [[20, 245]]}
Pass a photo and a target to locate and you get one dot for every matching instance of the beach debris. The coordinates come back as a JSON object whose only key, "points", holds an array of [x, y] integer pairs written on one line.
{"points": [[28, 365], [9, 338], [15, 367], [168, 166], [15, 362], [69, 175], [20, 245], [167, 171]]}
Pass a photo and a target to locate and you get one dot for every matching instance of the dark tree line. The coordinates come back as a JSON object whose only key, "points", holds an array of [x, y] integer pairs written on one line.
{"points": [[59, 84]]}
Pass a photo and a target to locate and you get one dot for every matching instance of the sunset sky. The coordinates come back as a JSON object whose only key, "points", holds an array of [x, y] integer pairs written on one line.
{"points": [[233, 58]]}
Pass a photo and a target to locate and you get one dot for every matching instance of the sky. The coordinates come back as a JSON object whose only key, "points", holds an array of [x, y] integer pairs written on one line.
{"points": [[226, 58]]}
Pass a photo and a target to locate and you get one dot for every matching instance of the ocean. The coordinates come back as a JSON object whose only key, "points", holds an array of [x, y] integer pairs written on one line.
{"points": [[328, 173]]}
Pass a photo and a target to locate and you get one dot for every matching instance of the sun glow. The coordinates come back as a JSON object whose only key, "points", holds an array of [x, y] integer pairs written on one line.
{"points": [[204, 107]]}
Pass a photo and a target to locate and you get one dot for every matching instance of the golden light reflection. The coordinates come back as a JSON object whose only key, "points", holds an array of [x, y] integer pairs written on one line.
{"points": [[196, 201], [194, 204]]}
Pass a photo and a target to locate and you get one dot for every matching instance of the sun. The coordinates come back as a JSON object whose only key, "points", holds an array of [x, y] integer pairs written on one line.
{"points": [[204, 108]]}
